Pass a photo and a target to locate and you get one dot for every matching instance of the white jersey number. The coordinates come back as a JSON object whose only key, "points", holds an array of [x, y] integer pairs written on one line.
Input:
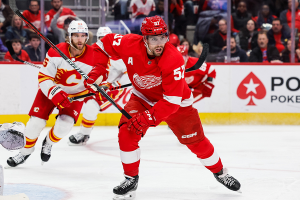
{"points": [[117, 40], [178, 74]]}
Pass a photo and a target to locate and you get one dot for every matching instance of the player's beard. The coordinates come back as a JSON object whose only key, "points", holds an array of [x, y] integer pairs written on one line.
{"points": [[77, 47], [157, 53]]}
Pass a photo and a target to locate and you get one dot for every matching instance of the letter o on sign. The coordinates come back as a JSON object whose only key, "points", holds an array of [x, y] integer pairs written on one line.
{"points": [[288, 84]]}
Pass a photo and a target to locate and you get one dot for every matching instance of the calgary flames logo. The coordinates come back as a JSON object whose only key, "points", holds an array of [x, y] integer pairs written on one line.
{"points": [[147, 81], [62, 76]]}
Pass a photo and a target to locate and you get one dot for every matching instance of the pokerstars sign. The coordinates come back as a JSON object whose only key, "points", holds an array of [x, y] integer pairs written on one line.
{"points": [[265, 88]]}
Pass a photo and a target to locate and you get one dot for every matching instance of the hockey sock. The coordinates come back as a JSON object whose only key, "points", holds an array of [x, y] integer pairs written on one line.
{"points": [[62, 127], [207, 155], [86, 126], [129, 151]]}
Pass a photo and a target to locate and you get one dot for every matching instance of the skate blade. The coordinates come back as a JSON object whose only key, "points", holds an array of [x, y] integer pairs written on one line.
{"points": [[42, 163], [239, 191], [80, 144], [127, 196], [8, 167]]}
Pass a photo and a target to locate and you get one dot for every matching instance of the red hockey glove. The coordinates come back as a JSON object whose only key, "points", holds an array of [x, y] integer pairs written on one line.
{"points": [[141, 122], [207, 90], [95, 76], [59, 97]]}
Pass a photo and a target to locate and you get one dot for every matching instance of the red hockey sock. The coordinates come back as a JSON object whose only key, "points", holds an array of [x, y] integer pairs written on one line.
{"points": [[207, 155]]}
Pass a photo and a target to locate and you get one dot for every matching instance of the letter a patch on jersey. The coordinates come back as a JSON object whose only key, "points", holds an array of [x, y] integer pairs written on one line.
{"points": [[130, 61]]}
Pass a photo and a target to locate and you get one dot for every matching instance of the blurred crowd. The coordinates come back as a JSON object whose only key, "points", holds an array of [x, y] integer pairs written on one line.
{"points": [[260, 29]]}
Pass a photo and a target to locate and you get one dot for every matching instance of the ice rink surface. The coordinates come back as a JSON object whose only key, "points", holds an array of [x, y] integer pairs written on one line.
{"points": [[265, 159]]}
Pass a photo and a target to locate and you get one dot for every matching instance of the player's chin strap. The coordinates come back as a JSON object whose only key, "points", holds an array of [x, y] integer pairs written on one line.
{"points": [[146, 45]]}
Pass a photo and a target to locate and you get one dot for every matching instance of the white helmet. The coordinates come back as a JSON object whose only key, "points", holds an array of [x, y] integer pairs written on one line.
{"points": [[103, 31], [78, 26]]}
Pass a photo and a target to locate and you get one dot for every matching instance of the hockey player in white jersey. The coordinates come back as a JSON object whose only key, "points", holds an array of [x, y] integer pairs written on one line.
{"points": [[58, 81], [117, 76], [12, 135]]}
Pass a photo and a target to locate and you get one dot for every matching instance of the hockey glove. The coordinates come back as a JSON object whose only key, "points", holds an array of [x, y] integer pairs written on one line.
{"points": [[59, 97], [207, 89], [94, 77], [141, 122]]}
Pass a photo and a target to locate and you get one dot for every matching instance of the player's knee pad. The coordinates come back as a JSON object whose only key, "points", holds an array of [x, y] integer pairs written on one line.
{"points": [[63, 125], [128, 141], [34, 127], [91, 110]]}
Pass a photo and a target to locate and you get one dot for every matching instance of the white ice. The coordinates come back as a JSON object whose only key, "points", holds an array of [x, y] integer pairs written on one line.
{"points": [[265, 159]]}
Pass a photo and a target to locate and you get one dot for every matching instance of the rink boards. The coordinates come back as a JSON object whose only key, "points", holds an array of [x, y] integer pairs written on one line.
{"points": [[243, 94]]}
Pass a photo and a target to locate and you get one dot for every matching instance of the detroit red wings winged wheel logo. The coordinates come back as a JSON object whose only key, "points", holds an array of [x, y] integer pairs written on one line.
{"points": [[253, 87]]}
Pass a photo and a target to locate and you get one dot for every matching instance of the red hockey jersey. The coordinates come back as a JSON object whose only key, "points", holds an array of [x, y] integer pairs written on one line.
{"points": [[35, 19], [23, 56], [196, 79], [158, 81], [66, 12]]}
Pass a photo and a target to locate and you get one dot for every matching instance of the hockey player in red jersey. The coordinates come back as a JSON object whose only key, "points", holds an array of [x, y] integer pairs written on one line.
{"points": [[117, 76], [160, 93], [200, 81], [58, 81]]}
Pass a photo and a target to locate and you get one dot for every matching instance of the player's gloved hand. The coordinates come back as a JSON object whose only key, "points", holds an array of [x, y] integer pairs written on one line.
{"points": [[207, 89], [59, 97], [94, 77], [141, 122]]}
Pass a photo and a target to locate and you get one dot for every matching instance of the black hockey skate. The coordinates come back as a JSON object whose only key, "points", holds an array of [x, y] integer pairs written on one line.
{"points": [[78, 139], [17, 160], [46, 151], [126, 190], [228, 181]]}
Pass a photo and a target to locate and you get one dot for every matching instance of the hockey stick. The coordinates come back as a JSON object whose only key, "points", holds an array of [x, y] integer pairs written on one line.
{"points": [[14, 55], [71, 99], [201, 59], [12, 4]]}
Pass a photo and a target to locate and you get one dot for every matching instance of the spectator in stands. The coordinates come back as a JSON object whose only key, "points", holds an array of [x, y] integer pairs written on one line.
{"points": [[6, 15], [264, 52], [16, 31], [241, 16], [237, 54], [173, 39], [33, 14], [264, 16], [34, 48], [286, 53], [17, 46], [286, 15], [248, 37], [64, 13], [141, 8], [58, 32], [176, 9], [190, 50], [160, 12], [278, 35], [218, 39], [120, 10], [2, 47]]}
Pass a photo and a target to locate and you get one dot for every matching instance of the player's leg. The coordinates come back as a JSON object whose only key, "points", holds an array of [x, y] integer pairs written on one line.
{"points": [[90, 112], [186, 125], [129, 151], [41, 108], [63, 125]]}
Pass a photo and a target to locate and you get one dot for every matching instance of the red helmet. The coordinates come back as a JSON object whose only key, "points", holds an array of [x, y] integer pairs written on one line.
{"points": [[182, 49], [154, 26], [173, 39]]}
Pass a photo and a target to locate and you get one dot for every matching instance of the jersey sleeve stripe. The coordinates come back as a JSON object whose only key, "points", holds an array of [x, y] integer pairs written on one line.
{"points": [[42, 77], [100, 44], [187, 102], [173, 99]]}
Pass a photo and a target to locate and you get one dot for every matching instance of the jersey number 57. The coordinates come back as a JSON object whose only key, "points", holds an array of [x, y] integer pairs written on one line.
{"points": [[179, 73]]}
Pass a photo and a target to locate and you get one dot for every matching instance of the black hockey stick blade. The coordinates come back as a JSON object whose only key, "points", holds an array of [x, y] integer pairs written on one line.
{"points": [[11, 50], [201, 59], [71, 99], [13, 6]]}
